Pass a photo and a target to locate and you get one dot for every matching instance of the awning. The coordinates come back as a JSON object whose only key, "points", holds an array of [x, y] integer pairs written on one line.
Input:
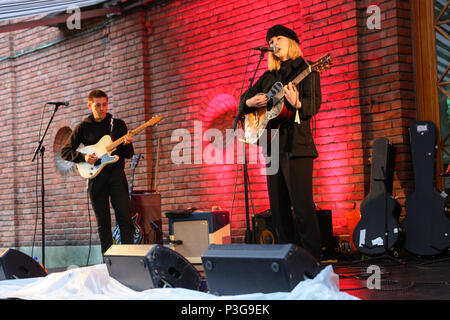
{"points": [[13, 9], [56, 11]]}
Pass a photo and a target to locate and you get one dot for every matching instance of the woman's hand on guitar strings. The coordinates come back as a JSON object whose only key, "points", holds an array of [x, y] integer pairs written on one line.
{"points": [[292, 95]]}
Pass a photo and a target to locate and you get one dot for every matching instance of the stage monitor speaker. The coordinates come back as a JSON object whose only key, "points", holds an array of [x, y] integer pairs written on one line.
{"points": [[147, 266], [249, 268], [197, 231], [148, 204], [15, 264]]}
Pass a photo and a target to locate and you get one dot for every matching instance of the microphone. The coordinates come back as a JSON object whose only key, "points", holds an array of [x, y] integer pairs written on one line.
{"points": [[59, 103], [264, 49]]}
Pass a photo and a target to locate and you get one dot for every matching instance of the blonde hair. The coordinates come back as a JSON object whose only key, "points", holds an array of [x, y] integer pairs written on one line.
{"points": [[294, 51]]}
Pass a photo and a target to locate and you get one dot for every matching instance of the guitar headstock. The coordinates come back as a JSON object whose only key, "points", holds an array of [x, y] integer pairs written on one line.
{"points": [[154, 120], [322, 64]]}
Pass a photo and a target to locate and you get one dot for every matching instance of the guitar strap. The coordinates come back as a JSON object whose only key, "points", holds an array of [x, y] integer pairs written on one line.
{"points": [[111, 126], [297, 117]]}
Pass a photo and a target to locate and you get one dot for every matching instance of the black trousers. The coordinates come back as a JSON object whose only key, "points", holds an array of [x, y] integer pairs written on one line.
{"points": [[111, 184], [291, 188]]}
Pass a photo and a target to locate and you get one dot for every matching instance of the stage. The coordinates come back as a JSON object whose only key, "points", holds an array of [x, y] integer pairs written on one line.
{"points": [[409, 278], [94, 283]]}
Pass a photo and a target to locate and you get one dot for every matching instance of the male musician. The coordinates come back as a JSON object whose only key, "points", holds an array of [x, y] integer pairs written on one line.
{"points": [[111, 182], [291, 186]]}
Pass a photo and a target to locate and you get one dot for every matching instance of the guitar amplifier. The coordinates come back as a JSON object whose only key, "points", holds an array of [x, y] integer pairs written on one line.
{"points": [[191, 235], [148, 205], [265, 233], [263, 230]]}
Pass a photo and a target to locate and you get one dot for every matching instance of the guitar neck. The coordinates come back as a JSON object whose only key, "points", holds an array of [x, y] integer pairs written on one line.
{"points": [[302, 76], [115, 144], [130, 185], [134, 132], [130, 188], [134, 163], [155, 181]]}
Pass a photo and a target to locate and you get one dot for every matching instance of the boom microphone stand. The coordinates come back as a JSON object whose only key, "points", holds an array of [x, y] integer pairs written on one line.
{"points": [[240, 116], [41, 149]]}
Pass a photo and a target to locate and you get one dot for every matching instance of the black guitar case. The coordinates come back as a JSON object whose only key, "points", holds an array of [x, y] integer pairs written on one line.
{"points": [[426, 226], [379, 210]]}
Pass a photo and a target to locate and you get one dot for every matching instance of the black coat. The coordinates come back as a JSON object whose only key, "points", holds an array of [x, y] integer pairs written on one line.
{"points": [[295, 139]]}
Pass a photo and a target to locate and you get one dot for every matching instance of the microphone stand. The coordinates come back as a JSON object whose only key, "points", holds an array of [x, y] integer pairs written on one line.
{"points": [[41, 149], [240, 116], [165, 236]]}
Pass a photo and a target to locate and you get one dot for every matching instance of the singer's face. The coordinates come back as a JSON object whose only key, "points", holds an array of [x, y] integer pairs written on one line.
{"points": [[99, 108], [282, 43]]}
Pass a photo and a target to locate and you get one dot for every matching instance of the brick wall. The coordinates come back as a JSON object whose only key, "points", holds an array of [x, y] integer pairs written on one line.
{"points": [[186, 60], [387, 88], [338, 177], [109, 56]]}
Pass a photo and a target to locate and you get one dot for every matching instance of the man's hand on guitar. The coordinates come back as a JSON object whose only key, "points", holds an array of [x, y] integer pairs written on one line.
{"points": [[90, 158], [258, 101], [128, 138]]}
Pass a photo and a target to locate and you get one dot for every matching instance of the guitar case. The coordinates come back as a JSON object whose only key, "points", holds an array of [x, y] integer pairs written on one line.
{"points": [[379, 210], [426, 226]]}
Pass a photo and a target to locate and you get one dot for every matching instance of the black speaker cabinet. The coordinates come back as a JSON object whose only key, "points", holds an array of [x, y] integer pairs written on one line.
{"points": [[15, 264], [147, 266], [324, 217], [264, 232], [249, 268]]}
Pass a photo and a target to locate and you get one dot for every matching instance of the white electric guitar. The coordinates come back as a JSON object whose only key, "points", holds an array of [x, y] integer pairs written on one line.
{"points": [[103, 149]]}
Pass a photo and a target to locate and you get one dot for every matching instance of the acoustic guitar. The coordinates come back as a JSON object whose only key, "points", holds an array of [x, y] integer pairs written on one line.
{"points": [[256, 122], [104, 148]]}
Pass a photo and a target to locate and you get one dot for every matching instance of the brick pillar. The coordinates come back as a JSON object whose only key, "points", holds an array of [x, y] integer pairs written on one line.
{"points": [[130, 86]]}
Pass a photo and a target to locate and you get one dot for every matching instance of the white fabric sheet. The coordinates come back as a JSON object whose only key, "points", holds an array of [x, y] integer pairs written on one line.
{"points": [[94, 283]]}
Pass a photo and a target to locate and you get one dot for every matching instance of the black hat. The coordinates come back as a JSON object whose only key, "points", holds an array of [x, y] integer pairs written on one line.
{"points": [[279, 30]]}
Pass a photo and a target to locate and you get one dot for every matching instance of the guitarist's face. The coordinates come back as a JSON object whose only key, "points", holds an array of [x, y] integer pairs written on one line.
{"points": [[282, 43], [99, 107]]}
